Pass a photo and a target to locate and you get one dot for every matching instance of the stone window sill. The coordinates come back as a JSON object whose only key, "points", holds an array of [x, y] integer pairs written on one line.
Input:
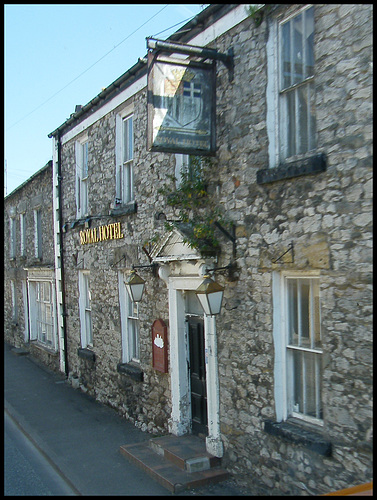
{"points": [[35, 343], [86, 354], [36, 260], [133, 371], [306, 166], [297, 434], [128, 208]]}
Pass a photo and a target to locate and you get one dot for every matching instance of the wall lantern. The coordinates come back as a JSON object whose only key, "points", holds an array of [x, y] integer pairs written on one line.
{"points": [[135, 284], [135, 287], [210, 295]]}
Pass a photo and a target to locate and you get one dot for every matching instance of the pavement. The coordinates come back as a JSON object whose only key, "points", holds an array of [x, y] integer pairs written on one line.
{"points": [[80, 436]]}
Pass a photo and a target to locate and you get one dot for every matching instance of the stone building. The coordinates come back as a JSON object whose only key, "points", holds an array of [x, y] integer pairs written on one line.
{"points": [[284, 371], [30, 316]]}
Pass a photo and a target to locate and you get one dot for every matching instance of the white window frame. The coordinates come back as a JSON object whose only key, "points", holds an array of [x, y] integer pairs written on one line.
{"points": [[130, 323], [124, 180], [276, 97], [85, 309], [23, 234], [283, 382], [38, 320], [45, 316], [38, 233], [82, 175], [13, 288], [26, 310], [182, 164], [12, 238]]}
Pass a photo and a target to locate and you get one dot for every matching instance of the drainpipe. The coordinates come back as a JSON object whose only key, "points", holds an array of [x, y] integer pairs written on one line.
{"points": [[59, 258]]}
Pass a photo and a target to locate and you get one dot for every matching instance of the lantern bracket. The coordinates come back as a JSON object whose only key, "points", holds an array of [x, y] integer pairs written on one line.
{"points": [[123, 257], [152, 267], [230, 269], [290, 249]]}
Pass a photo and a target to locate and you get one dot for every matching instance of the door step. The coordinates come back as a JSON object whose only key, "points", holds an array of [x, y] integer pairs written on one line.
{"points": [[177, 463]]}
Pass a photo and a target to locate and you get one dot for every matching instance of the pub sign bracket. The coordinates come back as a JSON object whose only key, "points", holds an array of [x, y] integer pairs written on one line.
{"points": [[193, 50]]}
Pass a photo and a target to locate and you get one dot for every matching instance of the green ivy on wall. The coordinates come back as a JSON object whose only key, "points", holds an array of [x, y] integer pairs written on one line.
{"points": [[197, 210]]}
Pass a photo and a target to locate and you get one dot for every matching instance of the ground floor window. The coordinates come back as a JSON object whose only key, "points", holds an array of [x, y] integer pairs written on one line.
{"points": [[85, 309], [42, 313], [298, 343], [133, 329], [14, 301], [129, 315]]}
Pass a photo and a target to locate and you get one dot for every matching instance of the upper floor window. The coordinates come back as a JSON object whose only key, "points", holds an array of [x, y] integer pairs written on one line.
{"points": [[12, 237], [188, 169], [82, 171], [125, 174], [22, 235], [38, 234], [182, 167], [297, 128]]}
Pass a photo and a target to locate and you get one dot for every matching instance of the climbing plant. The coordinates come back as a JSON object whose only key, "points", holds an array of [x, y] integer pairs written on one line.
{"points": [[257, 12], [197, 210]]}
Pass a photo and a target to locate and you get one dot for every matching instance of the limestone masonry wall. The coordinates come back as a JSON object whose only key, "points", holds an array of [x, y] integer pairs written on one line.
{"points": [[326, 215]]}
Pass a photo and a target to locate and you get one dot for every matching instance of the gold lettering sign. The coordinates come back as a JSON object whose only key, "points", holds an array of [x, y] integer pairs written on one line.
{"points": [[101, 233]]}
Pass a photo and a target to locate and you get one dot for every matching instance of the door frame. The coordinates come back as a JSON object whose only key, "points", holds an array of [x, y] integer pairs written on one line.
{"points": [[180, 421], [201, 428]]}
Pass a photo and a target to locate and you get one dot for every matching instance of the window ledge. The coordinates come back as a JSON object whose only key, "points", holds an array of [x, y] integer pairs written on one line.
{"points": [[135, 372], [35, 343], [128, 208], [86, 354], [298, 435], [307, 166]]}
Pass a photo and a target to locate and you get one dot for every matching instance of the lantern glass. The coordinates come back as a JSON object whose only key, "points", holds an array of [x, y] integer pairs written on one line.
{"points": [[210, 295], [135, 287]]}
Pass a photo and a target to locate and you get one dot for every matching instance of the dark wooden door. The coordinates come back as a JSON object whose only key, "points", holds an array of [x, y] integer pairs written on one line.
{"points": [[197, 376]]}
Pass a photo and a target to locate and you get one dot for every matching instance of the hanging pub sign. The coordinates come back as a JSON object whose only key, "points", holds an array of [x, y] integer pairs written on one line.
{"points": [[181, 106]]}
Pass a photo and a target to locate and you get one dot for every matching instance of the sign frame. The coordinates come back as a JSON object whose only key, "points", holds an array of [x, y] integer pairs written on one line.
{"points": [[160, 346], [162, 136]]}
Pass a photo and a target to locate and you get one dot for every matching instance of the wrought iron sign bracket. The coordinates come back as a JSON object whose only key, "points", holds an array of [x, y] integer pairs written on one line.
{"points": [[290, 249], [231, 237], [193, 50]]}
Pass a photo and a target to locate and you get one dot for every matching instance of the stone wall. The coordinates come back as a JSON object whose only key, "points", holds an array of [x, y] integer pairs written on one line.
{"points": [[34, 193], [147, 401], [326, 214], [328, 218]]}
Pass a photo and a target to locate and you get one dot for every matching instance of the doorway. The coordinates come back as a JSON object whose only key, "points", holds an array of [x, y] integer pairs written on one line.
{"points": [[197, 375], [184, 305]]}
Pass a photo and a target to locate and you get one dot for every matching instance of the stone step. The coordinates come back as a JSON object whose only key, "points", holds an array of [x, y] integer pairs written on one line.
{"points": [[20, 351], [166, 471], [186, 452]]}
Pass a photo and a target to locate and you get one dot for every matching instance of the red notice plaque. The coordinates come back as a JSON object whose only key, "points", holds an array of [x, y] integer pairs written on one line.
{"points": [[160, 346]]}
